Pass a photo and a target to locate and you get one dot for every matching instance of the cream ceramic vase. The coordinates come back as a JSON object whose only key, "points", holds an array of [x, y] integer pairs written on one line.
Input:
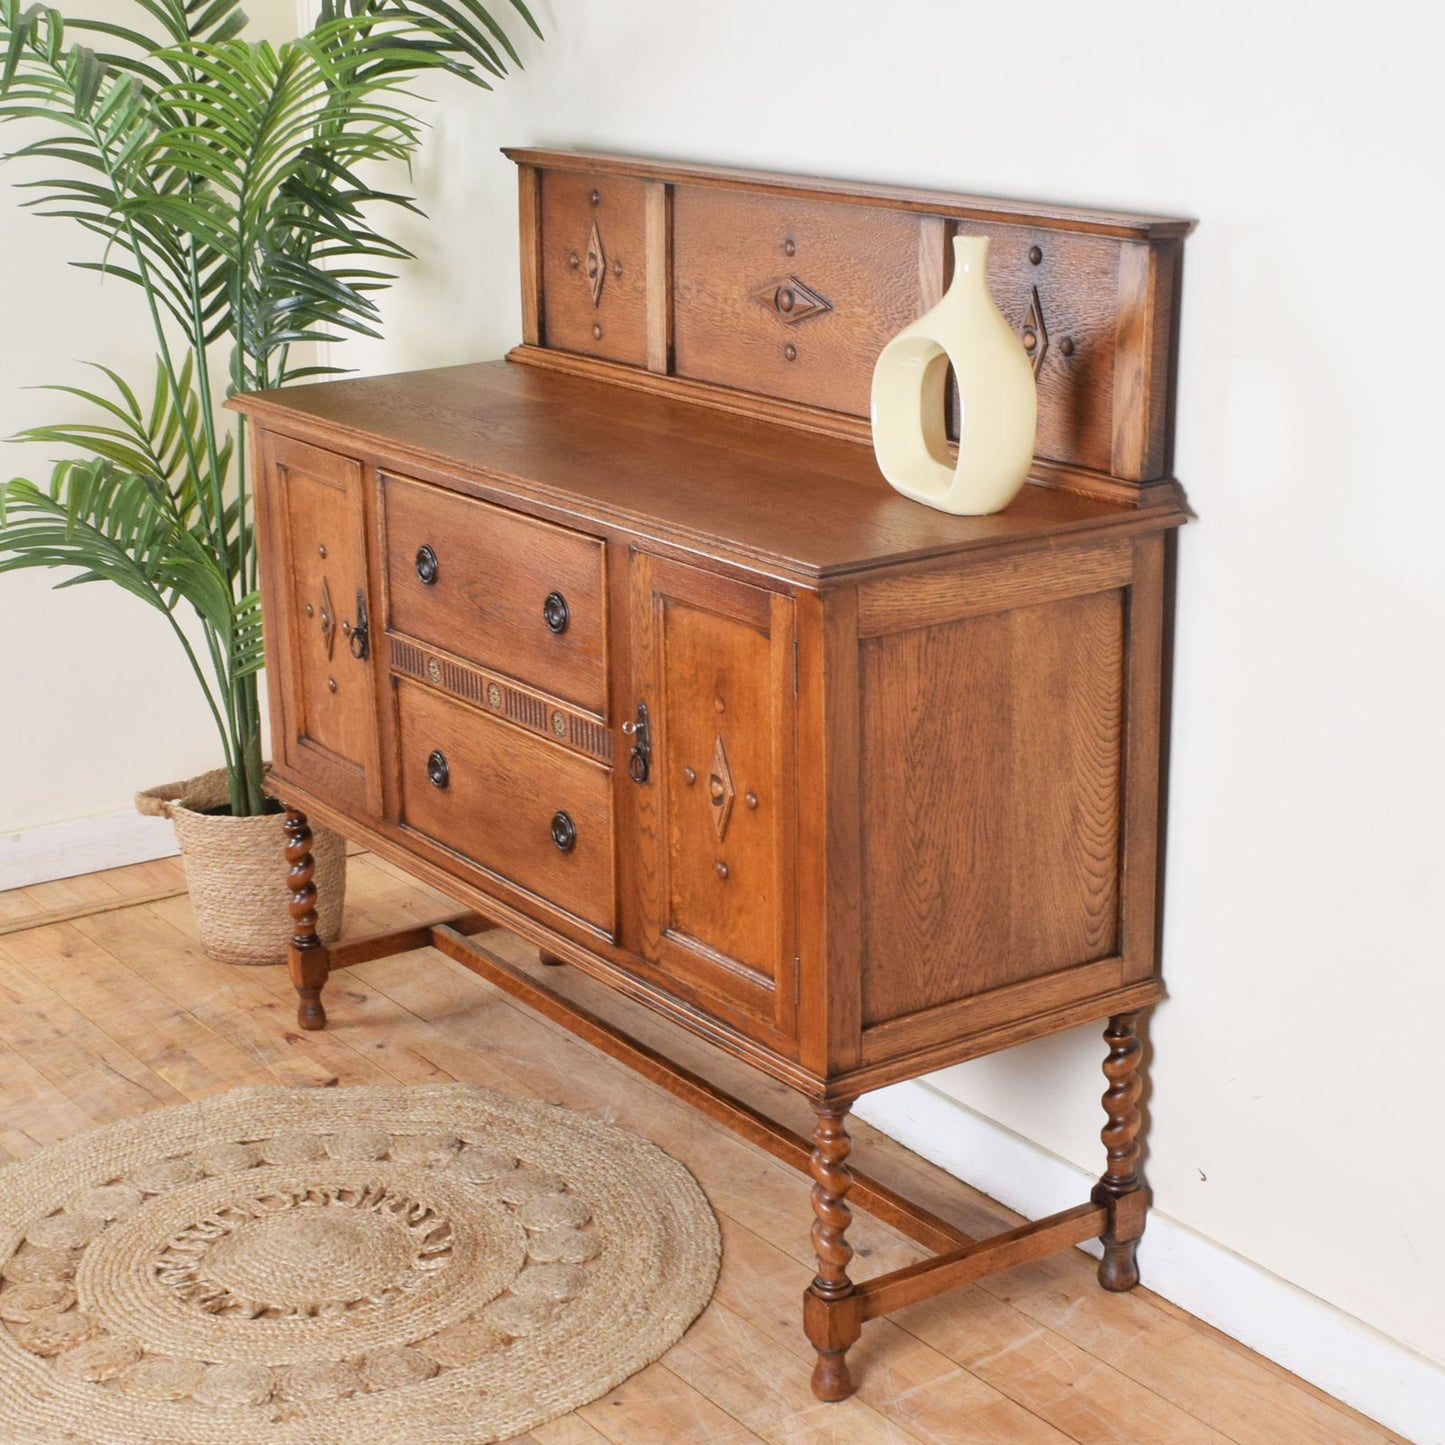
{"points": [[998, 402]]}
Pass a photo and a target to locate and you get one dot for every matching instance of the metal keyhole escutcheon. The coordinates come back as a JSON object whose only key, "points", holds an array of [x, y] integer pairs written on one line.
{"points": [[639, 760]]}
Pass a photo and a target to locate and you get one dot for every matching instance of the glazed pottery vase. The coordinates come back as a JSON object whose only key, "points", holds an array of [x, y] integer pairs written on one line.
{"points": [[998, 402]]}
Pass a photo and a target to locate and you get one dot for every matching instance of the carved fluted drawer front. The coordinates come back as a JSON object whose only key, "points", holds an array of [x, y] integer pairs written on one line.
{"points": [[499, 589], [525, 811]]}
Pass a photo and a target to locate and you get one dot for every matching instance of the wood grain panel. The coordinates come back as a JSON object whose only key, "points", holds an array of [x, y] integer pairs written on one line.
{"points": [[495, 571], [1068, 300], [603, 313], [1093, 295], [324, 698], [981, 1014], [991, 793], [659, 277], [924, 599], [502, 790], [529, 216], [744, 266], [714, 659]]}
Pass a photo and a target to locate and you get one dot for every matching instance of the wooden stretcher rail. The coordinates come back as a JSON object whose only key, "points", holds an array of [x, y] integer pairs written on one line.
{"points": [[961, 1259], [792, 1149]]}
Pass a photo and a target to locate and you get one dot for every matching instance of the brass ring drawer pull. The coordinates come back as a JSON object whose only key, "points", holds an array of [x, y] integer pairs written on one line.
{"points": [[564, 832], [437, 769], [554, 613], [426, 565]]}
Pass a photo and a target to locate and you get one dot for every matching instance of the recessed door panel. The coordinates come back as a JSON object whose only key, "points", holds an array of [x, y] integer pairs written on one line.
{"points": [[318, 623], [715, 662]]}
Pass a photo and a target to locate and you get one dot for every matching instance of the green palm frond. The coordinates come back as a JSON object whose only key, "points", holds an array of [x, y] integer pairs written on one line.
{"points": [[156, 442], [99, 522], [245, 643], [225, 181]]}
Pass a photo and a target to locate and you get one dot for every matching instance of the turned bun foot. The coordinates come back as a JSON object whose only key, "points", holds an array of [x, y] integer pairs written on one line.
{"points": [[831, 1380], [1119, 1268], [310, 1012]]}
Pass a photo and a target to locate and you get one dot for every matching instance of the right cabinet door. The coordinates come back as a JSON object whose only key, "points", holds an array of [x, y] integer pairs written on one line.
{"points": [[715, 666]]}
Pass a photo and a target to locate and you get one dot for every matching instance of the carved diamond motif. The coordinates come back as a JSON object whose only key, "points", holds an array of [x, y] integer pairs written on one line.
{"points": [[596, 264], [328, 619], [1036, 332], [720, 790], [792, 300]]}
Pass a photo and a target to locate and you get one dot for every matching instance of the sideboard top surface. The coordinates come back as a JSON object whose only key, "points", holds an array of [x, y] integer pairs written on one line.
{"points": [[807, 503]]}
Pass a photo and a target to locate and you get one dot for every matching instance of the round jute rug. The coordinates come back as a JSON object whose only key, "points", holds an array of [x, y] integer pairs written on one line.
{"points": [[438, 1265]]}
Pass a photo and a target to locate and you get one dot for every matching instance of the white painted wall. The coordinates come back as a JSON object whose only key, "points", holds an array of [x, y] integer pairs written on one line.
{"points": [[1298, 1081]]}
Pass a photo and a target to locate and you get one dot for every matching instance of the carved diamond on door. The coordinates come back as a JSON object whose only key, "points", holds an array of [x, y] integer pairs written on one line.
{"points": [[720, 790], [328, 619]]}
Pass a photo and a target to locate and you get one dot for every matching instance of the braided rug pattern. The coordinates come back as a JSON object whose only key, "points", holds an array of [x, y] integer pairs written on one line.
{"points": [[436, 1265]]}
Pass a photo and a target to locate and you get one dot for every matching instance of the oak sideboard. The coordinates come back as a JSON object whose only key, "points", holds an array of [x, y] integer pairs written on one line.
{"points": [[624, 642]]}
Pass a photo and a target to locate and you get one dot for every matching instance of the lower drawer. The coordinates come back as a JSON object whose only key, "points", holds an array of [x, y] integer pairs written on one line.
{"points": [[523, 810]]}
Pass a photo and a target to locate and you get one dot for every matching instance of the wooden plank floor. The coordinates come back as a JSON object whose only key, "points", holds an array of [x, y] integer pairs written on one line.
{"points": [[107, 1008]]}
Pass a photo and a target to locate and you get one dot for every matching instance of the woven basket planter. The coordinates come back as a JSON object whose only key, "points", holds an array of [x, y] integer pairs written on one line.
{"points": [[236, 871]]}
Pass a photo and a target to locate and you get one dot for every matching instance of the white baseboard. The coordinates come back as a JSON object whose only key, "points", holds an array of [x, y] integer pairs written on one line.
{"points": [[1376, 1375], [85, 845]]}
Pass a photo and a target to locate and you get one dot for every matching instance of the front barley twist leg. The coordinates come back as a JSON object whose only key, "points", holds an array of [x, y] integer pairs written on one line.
{"points": [[1120, 1189], [831, 1312], [307, 956]]}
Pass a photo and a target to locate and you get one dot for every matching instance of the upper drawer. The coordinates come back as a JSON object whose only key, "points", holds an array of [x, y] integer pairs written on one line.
{"points": [[505, 591], [525, 811]]}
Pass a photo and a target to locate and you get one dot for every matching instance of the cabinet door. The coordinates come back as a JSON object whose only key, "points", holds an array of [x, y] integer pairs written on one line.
{"points": [[715, 669], [317, 615]]}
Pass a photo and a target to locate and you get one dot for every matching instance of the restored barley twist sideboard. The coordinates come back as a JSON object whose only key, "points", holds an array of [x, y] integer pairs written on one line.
{"points": [[626, 644]]}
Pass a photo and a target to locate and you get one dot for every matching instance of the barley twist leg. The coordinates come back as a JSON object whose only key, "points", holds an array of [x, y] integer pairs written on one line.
{"points": [[307, 956], [1120, 1187], [831, 1313]]}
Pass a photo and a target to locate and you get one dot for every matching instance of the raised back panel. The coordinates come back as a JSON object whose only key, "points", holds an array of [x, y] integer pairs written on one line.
{"points": [[594, 271], [793, 299], [773, 295]]}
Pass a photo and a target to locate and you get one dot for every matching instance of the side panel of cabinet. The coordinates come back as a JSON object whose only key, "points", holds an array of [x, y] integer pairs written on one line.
{"points": [[317, 616], [714, 661], [1010, 719]]}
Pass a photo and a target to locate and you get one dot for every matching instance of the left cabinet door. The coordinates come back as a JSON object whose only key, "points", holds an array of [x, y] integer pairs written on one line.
{"points": [[319, 623]]}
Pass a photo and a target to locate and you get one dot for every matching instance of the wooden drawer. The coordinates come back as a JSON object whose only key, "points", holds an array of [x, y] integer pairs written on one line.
{"points": [[495, 580], [495, 795], [594, 265]]}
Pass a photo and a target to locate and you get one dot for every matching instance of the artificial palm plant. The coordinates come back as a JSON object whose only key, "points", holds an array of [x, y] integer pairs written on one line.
{"points": [[231, 183]]}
